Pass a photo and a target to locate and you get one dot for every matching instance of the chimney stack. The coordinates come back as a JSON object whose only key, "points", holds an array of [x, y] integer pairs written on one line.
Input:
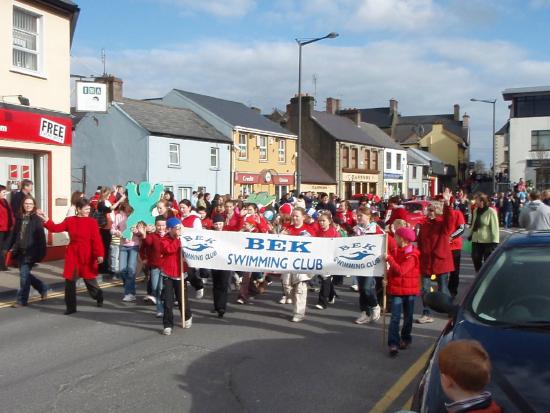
{"points": [[457, 112], [353, 114], [466, 121], [333, 105], [114, 87], [393, 106]]}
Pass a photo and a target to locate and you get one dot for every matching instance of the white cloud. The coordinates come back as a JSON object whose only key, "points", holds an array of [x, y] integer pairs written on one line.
{"points": [[425, 76], [219, 8]]}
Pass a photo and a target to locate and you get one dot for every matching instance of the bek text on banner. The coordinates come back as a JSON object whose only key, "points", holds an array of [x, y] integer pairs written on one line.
{"points": [[246, 251]]}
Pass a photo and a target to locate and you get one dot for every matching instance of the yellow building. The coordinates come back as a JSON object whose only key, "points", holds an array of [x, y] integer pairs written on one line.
{"points": [[264, 153], [35, 127]]}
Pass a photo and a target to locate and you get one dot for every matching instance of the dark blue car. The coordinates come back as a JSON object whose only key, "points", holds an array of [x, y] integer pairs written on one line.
{"points": [[507, 310]]}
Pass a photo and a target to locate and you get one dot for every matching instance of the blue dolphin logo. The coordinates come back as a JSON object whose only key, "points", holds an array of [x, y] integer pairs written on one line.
{"points": [[357, 256], [198, 247]]}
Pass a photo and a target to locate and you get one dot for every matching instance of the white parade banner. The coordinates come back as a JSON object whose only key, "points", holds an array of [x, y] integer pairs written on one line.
{"points": [[246, 251]]}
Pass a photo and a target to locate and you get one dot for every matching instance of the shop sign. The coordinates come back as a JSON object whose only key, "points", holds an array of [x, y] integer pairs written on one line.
{"points": [[243, 178], [25, 172], [349, 177], [35, 127], [91, 97], [393, 176], [283, 179], [13, 171]]}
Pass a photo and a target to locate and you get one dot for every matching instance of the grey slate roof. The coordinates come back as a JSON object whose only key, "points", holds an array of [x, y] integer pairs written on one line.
{"points": [[169, 121], [381, 117], [414, 159], [380, 136], [312, 173], [504, 130], [437, 165], [343, 129], [510, 93], [410, 129], [235, 113]]}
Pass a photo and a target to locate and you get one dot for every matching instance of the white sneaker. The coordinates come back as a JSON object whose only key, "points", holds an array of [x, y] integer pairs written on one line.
{"points": [[159, 315], [188, 323], [167, 331], [364, 318], [354, 287], [375, 313], [297, 319], [199, 294], [240, 301], [424, 319], [319, 306], [282, 300], [289, 301], [150, 298], [332, 301], [129, 298]]}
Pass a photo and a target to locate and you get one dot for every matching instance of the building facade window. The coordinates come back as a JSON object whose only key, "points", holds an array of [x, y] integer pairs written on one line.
{"points": [[367, 159], [282, 150], [354, 156], [185, 192], [345, 157], [388, 160], [246, 189], [531, 106], [214, 158], [243, 146], [414, 171], [540, 140], [398, 163], [262, 144], [281, 190], [26, 40], [174, 160], [375, 160]]}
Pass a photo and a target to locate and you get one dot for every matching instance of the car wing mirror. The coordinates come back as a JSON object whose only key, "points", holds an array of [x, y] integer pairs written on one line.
{"points": [[439, 302]]}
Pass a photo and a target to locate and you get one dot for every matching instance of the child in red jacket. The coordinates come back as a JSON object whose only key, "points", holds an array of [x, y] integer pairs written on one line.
{"points": [[403, 287], [152, 248]]}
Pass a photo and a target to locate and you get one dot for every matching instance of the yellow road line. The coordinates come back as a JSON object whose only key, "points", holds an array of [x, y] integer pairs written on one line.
{"points": [[400, 385], [408, 404], [57, 294]]}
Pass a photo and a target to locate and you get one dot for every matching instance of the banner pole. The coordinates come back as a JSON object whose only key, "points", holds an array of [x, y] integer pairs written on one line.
{"points": [[384, 283], [182, 287]]}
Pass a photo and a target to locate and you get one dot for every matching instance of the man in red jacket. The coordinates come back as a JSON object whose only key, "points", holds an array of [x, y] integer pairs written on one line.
{"points": [[436, 257], [172, 275], [403, 287]]}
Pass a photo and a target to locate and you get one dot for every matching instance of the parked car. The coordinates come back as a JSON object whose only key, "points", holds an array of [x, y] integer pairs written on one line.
{"points": [[507, 310]]}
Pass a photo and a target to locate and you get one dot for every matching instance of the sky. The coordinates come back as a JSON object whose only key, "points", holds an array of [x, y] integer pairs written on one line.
{"points": [[428, 55]]}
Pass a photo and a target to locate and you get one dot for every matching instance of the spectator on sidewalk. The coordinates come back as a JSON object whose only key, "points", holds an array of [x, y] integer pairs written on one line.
{"points": [[75, 196], [17, 198], [455, 243], [7, 220], [535, 216], [83, 255], [28, 245]]}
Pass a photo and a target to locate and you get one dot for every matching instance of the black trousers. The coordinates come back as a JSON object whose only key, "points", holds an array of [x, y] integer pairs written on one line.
{"points": [[454, 277], [70, 292], [327, 292], [194, 278], [220, 286], [4, 236], [171, 287], [105, 266], [480, 253]]}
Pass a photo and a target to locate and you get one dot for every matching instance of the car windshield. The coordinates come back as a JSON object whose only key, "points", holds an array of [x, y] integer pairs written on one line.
{"points": [[516, 289], [413, 207]]}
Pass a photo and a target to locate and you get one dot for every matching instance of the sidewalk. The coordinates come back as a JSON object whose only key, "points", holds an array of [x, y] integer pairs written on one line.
{"points": [[49, 272]]}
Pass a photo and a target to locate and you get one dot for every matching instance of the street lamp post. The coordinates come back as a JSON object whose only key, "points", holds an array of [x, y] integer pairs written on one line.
{"points": [[492, 102], [303, 42]]}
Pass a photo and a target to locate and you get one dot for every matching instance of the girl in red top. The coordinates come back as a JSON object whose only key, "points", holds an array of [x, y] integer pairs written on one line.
{"points": [[152, 245], [295, 285], [233, 220], [6, 225], [172, 272], [190, 219], [206, 223], [327, 294], [403, 287], [83, 255], [345, 214]]}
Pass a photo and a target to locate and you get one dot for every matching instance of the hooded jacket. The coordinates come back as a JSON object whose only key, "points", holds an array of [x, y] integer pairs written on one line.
{"points": [[535, 216]]}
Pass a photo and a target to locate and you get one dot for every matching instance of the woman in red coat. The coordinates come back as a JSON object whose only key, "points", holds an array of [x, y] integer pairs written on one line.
{"points": [[327, 295], [436, 257], [6, 225], [83, 255]]}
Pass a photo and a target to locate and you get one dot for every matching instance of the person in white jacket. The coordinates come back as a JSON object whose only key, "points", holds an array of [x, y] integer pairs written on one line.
{"points": [[535, 216]]}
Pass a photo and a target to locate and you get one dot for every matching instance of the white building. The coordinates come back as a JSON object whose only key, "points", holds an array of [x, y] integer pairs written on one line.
{"points": [[417, 180], [529, 134]]}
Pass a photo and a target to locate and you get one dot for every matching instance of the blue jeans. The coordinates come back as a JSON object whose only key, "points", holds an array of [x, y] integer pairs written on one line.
{"points": [[25, 282], [367, 294], [508, 219], [127, 267], [400, 303], [442, 286], [156, 288]]}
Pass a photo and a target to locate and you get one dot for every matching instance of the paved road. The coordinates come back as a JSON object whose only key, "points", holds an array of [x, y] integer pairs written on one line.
{"points": [[254, 360]]}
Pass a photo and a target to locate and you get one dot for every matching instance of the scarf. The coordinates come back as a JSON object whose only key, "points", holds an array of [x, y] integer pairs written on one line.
{"points": [[479, 213]]}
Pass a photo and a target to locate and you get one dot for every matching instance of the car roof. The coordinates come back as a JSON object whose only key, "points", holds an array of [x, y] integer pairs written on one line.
{"points": [[526, 238]]}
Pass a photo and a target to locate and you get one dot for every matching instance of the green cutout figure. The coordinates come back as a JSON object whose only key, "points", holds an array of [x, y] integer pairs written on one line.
{"points": [[260, 198], [142, 203]]}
